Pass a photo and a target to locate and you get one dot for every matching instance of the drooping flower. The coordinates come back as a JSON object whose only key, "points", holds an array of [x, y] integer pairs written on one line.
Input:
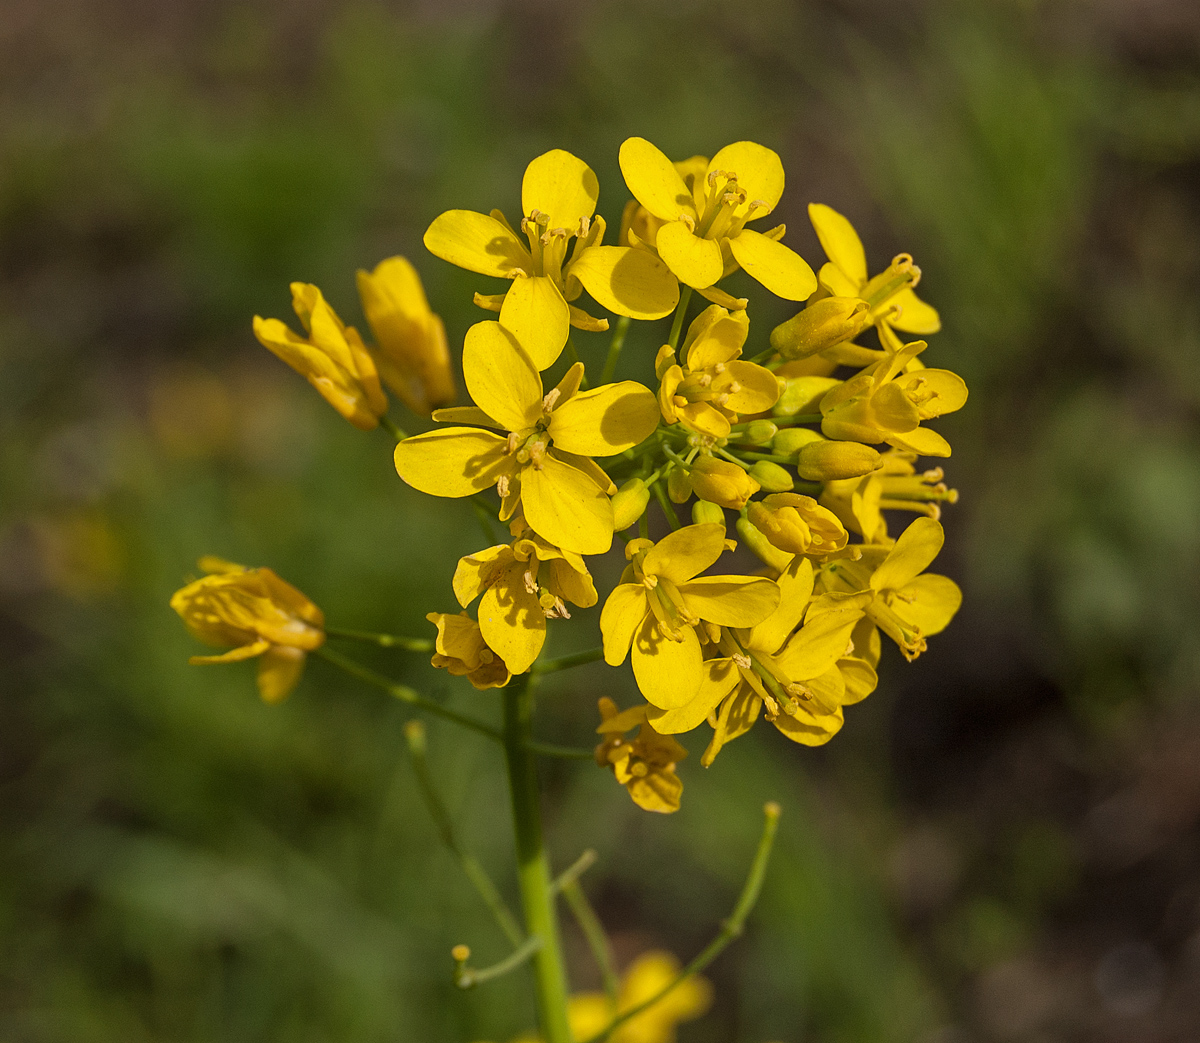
{"points": [[558, 202], [797, 524], [661, 599], [256, 613], [332, 357], [543, 462], [703, 215], [411, 354], [461, 649], [645, 765], [523, 584]]}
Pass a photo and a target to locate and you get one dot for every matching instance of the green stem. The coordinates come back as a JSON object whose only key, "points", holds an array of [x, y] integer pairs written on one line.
{"points": [[574, 871], [414, 734], [484, 514], [550, 749], [733, 459], [685, 297], [730, 929], [467, 978], [795, 418], [565, 662], [665, 504], [614, 349], [404, 693], [391, 428], [409, 644], [533, 868], [593, 933], [572, 357]]}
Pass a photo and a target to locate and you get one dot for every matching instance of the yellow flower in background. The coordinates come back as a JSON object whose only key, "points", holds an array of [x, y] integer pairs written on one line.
{"points": [[544, 461], [523, 584], [713, 385], [886, 402], [889, 295], [659, 602], [648, 975], [896, 486], [332, 358], [256, 613], [410, 339], [461, 649], [704, 216], [558, 202], [907, 603], [645, 766]]}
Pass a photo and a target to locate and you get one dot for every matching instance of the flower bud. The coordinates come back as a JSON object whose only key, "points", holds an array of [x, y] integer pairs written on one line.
{"points": [[721, 482], [767, 553], [679, 485], [629, 504], [704, 512], [758, 432], [772, 477], [820, 326], [798, 524], [830, 461], [791, 440], [803, 395]]}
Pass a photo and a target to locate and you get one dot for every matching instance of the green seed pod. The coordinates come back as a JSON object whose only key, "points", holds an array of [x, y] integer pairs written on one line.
{"points": [[679, 485], [803, 395], [705, 512], [629, 503], [821, 326], [791, 440], [772, 477], [758, 432], [832, 460], [767, 552]]}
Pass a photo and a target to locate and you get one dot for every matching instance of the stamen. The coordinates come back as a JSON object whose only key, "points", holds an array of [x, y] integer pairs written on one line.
{"points": [[502, 486], [742, 660], [650, 581], [690, 221], [510, 446], [585, 225], [530, 578], [550, 399]]}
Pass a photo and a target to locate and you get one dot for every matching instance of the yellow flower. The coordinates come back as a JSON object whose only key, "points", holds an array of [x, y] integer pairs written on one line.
{"points": [[906, 603], [543, 462], [649, 974], [889, 295], [797, 524], [803, 677], [462, 650], [645, 766], [411, 340], [886, 402], [523, 584], [333, 357], [721, 482], [558, 201], [659, 602], [713, 385], [824, 324], [895, 486], [256, 613], [704, 215]]}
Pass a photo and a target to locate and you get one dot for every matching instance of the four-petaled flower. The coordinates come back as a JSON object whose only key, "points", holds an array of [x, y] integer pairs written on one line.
{"points": [[461, 649], [645, 765]]}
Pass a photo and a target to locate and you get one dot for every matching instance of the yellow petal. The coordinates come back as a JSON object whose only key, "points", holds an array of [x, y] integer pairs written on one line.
{"points": [[939, 391], [279, 672], [757, 388], [564, 506], [660, 791], [654, 181], [731, 601], [779, 268], [476, 242], [837, 282], [627, 281], [562, 186], [606, 420], [795, 588], [454, 461], [588, 466], [695, 261], [719, 679], [620, 619], [234, 655], [464, 415], [685, 553], [817, 645], [935, 600], [668, 672], [536, 314], [759, 173], [500, 376], [476, 572], [581, 320], [704, 418], [715, 336], [841, 243], [572, 582], [920, 440], [512, 621], [912, 554], [915, 315], [859, 678], [736, 717], [811, 729]]}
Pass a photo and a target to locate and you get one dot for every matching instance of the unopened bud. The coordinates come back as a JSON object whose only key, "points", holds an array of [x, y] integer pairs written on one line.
{"points": [[803, 395], [629, 503], [758, 432], [830, 461], [772, 477], [704, 512], [679, 485], [822, 325], [721, 482], [767, 553], [791, 440], [798, 524]]}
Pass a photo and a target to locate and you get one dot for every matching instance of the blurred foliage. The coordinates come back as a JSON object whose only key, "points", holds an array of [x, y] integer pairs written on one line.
{"points": [[184, 863]]}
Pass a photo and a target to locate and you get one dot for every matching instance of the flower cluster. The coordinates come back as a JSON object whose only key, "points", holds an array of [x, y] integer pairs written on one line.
{"points": [[803, 442]]}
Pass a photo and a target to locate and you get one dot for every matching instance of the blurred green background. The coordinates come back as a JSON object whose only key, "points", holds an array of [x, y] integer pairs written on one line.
{"points": [[1003, 843]]}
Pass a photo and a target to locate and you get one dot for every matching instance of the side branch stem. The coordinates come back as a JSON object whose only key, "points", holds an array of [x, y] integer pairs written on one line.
{"points": [[409, 644], [685, 297], [614, 348]]}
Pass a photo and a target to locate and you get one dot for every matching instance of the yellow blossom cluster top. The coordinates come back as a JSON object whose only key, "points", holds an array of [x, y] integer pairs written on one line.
{"points": [[798, 447]]}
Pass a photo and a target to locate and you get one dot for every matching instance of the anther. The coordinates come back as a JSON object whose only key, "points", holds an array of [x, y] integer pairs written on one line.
{"points": [[510, 446], [650, 581], [550, 399], [502, 486], [741, 659], [688, 220], [585, 225]]}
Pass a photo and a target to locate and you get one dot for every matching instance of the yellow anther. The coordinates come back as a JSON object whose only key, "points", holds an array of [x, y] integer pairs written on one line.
{"points": [[502, 486], [510, 446], [550, 399]]}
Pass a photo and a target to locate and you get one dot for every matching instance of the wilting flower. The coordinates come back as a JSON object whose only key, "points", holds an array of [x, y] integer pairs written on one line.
{"points": [[543, 462], [411, 354], [256, 613], [332, 357], [703, 216], [645, 765], [461, 649], [558, 201], [656, 607], [523, 584]]}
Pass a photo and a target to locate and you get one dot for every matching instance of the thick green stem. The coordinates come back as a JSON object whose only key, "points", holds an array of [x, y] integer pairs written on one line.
{"points": [[685, 297], [614, 349], [392, 428], [409, 644], [533, 867]]}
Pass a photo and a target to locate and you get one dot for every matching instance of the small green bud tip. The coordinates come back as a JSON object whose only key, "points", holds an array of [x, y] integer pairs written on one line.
{"points": [[703, 511], [792, 439], [772, 810], [629, 503], [759, 432], [414, 732], [772, 477], [462, 953]]}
